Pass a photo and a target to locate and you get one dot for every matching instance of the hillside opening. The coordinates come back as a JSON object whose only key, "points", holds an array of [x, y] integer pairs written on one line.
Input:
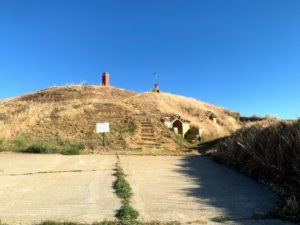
{"points": [[177, 125]]}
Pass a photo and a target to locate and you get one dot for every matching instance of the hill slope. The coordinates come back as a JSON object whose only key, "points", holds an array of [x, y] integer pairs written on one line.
{"points": [[69, 114]]}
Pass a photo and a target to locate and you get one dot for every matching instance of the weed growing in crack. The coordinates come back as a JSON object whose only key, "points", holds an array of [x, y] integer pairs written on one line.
{"points": [[126, 214]]}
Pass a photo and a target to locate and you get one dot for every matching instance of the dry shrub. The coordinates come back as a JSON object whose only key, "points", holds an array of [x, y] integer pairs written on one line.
{"points": [[270, 154]]}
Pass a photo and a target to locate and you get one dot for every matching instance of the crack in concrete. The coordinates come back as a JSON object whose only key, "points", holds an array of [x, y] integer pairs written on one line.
{"points": [[49, 172]]}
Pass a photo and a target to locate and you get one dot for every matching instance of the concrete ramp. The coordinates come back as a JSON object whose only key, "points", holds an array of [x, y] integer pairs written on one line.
{"points": [[194, 190]]}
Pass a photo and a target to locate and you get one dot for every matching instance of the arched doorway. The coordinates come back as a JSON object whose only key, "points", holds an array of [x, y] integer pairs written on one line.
{"points": [[178, 124]]}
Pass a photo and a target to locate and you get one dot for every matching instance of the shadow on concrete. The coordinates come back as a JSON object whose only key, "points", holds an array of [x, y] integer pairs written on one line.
{"points": [[224, 190]]}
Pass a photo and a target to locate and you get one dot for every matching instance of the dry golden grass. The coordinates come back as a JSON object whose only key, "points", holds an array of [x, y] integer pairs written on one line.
{"points": [[158, 104], [270, 152], [69, 114]]}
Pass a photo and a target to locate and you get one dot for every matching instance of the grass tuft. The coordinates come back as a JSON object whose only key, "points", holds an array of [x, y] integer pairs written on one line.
{"points": [[2, 145], [161, 223], [41, 147], [121, 185], [2, 223], [182, 141], [20, 143], [48, 147], [127, 213], [128, 222], [220, 219], [49, 222], [72, 149]]}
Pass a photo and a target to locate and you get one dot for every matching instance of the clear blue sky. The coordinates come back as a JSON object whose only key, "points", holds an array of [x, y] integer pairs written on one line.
{"points": [[243, 55]]}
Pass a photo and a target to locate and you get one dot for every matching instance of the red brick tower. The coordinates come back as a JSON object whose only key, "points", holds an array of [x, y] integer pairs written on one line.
{"points": [[105, 79]]}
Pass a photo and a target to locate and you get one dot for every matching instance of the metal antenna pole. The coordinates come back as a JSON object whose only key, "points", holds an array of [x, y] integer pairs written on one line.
{"points": [[155, 77]]}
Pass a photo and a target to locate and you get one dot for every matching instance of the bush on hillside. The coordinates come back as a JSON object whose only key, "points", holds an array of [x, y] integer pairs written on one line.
{"points": [[2, 145], [270, 154], [41, 147], [20, 143], [72, 149], [48, 147]]}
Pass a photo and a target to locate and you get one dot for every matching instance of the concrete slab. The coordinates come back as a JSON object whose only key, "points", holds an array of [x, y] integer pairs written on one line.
{"points": [[194, 190], [34, 188]]}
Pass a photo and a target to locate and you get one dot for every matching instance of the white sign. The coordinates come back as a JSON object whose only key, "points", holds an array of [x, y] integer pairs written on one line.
{"points": [[102, 127]]}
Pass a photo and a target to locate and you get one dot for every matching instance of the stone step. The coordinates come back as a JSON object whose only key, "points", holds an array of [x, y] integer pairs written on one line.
{"points": [[151, 146], [147, 135], [149, 139], [146, 124], [153, 142], [147, 132], [148, 143], [147, 128]]}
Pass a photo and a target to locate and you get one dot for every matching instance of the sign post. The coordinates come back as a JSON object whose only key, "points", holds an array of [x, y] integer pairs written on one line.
{"points": [[102, 128]]}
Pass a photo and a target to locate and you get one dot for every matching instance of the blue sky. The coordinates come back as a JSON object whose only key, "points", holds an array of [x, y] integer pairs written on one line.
{"points": [[243, 55]]}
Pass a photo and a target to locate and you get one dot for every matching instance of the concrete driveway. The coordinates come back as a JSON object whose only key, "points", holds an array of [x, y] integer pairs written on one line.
{"points": [[55, 187], [79, 188], [194, 190]]}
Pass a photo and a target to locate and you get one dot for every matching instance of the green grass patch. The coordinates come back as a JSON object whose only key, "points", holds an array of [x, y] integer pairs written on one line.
{"points": [[2, 146], [27, 145], [220, 219], [2, 223], [182, 141], [127, 213], [72, 149], [20, 144], [130, 126], [41, 147], [49, 222], [161, 223], [121, 185], [52, 146], [107, 223], [131, 130]]}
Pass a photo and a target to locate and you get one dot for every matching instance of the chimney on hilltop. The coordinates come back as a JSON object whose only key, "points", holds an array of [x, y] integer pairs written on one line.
{"points": [[105, 79]]}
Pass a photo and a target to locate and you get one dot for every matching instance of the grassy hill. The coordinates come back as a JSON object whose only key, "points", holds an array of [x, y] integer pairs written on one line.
{"points": [[69, 115]]}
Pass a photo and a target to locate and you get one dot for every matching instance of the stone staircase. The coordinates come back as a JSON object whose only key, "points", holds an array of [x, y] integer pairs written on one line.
{"points": [[147, 132], [148, 138]]}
